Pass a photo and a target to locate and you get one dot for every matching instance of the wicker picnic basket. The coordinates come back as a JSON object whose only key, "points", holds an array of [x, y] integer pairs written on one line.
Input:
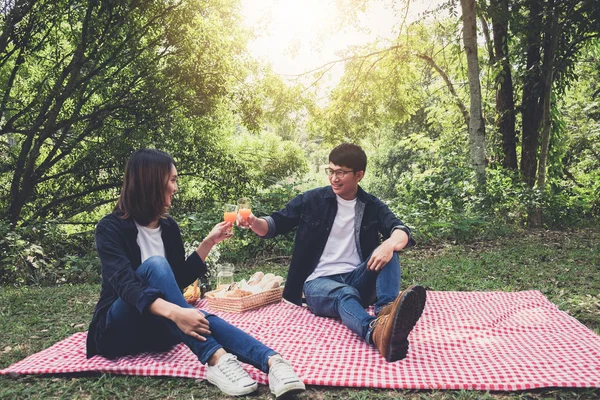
{"points": [[246, 303]]}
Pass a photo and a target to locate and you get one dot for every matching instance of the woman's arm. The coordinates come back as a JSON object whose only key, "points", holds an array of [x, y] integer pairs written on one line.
{"points": [[219, 232]]}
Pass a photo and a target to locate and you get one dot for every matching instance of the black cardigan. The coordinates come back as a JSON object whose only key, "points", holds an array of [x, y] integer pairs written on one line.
{"points": [[116, 242]]}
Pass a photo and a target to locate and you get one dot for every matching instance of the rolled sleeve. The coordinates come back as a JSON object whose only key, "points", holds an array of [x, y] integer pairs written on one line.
{"points": [[405, 229], [271, 224], [147, 297]]}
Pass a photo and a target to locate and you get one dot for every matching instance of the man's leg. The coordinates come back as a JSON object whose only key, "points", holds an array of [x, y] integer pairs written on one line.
{"points": [[330, 297], [381, 287], [397, 314]]}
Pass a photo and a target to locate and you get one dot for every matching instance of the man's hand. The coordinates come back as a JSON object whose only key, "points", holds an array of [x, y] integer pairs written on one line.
{"points": [[192, 322], [383, 254], [245, 222], [257, 225], [380, 256]]}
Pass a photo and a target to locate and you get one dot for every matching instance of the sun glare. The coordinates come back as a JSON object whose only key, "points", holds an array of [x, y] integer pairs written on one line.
{"points": [[298, 36]]}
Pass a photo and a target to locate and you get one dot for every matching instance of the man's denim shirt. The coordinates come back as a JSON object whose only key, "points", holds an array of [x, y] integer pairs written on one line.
{"points": [[313, 212]]}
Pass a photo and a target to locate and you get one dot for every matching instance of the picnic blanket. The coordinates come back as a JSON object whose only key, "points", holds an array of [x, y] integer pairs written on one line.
{"points": [[464, 340]]}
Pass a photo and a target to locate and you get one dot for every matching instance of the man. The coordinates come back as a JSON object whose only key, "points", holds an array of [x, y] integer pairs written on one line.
{"points": [[338, 260]]}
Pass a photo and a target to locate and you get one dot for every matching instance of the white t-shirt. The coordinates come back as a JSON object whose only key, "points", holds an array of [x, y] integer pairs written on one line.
{"points": [[150, 242], [340, 254]]}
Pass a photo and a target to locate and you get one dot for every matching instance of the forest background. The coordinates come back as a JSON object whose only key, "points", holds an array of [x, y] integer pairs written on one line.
{"points": [[480, 119]]}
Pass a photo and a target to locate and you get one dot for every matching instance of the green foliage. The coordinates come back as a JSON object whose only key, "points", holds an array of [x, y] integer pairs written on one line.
{"points": [[244, 246], [580, 110], [45, 254], [268, 159], [84, 83]]}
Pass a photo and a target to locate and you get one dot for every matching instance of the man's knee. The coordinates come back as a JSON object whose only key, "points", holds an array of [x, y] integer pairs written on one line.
{"points": [[347, 292]]}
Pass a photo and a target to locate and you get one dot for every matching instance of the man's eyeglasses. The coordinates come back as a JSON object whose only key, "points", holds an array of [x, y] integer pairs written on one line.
{"points": [[339, 173]]}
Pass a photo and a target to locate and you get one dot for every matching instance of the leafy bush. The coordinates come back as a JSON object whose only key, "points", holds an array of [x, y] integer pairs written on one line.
{"points": [[244, 246], [45, 254]]}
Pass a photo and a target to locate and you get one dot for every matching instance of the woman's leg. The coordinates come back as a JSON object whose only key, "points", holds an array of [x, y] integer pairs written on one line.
{"points": [[157, 272], [227, 374], [237, 342]]}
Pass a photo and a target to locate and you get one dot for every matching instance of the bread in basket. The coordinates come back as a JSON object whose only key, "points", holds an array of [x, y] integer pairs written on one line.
{"points": [[260, 290]]}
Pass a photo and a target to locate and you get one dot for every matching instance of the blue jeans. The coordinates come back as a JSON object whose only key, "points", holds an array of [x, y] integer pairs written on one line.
{"points": [[133, 333], [347, 295]]}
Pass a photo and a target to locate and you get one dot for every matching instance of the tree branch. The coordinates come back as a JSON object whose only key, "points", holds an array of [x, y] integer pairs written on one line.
{"points": [[459, 103]]}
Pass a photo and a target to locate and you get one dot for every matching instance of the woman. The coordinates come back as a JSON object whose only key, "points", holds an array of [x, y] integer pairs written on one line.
{"points": [[144, 268]]}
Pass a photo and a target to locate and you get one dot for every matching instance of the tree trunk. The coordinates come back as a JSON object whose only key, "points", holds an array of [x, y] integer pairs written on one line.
{"points": [[548, 66], [505, 105], [532, 88], [550, 45], [476, 123]]}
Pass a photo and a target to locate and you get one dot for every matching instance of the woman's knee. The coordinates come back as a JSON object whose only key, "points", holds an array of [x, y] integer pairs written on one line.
{"points": [[155, 266]]}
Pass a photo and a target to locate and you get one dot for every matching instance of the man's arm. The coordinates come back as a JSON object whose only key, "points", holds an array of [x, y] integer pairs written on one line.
{"points": [[258, 225], [384, 252], [279, 222]]}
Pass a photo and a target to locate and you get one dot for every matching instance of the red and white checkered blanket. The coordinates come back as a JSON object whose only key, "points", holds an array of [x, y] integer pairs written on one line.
{"points": [[465, 340]]}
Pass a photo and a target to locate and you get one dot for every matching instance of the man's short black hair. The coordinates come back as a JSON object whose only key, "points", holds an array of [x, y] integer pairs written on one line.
{"points": [[349, 155]]}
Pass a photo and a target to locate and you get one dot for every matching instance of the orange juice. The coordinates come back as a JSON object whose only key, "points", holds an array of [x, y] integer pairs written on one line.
{"points": [[245, 212], [230, 216]]}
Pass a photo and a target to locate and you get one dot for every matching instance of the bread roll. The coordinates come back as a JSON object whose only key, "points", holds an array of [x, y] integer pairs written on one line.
{"points": [[268, 277], [256, 278], [278, 279], [270, 284]]}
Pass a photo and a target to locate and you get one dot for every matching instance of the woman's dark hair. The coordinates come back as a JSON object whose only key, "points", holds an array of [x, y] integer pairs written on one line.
{"points": [[349, 155], [143, 192]]}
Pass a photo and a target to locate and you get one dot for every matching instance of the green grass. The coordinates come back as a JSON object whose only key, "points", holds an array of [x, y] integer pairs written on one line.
{"points": [[564, 266]]}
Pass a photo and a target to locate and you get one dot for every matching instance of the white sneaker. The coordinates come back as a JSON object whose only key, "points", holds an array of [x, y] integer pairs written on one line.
{"points": [[283, 379], [229, 376]]}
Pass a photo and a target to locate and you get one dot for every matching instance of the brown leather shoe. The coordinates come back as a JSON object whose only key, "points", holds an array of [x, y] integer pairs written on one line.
{"points": [[388, 308], [396, 320]]}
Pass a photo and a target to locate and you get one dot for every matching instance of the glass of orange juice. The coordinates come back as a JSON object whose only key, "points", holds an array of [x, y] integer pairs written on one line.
{"points": [[230, 213], [244, 207]]}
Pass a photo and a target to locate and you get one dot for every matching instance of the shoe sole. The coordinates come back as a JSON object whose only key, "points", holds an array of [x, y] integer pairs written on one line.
{"points": [[241, 392], [300, 387], [408, 313], [288, 393]]}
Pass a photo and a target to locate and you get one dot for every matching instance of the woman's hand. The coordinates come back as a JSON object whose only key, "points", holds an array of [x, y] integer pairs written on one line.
{"points": [[192, 322], [220, 232]]}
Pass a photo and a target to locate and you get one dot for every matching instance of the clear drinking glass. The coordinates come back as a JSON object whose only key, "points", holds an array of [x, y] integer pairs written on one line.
{"points": [[225, 275], [244, 208], [230, 212]]}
